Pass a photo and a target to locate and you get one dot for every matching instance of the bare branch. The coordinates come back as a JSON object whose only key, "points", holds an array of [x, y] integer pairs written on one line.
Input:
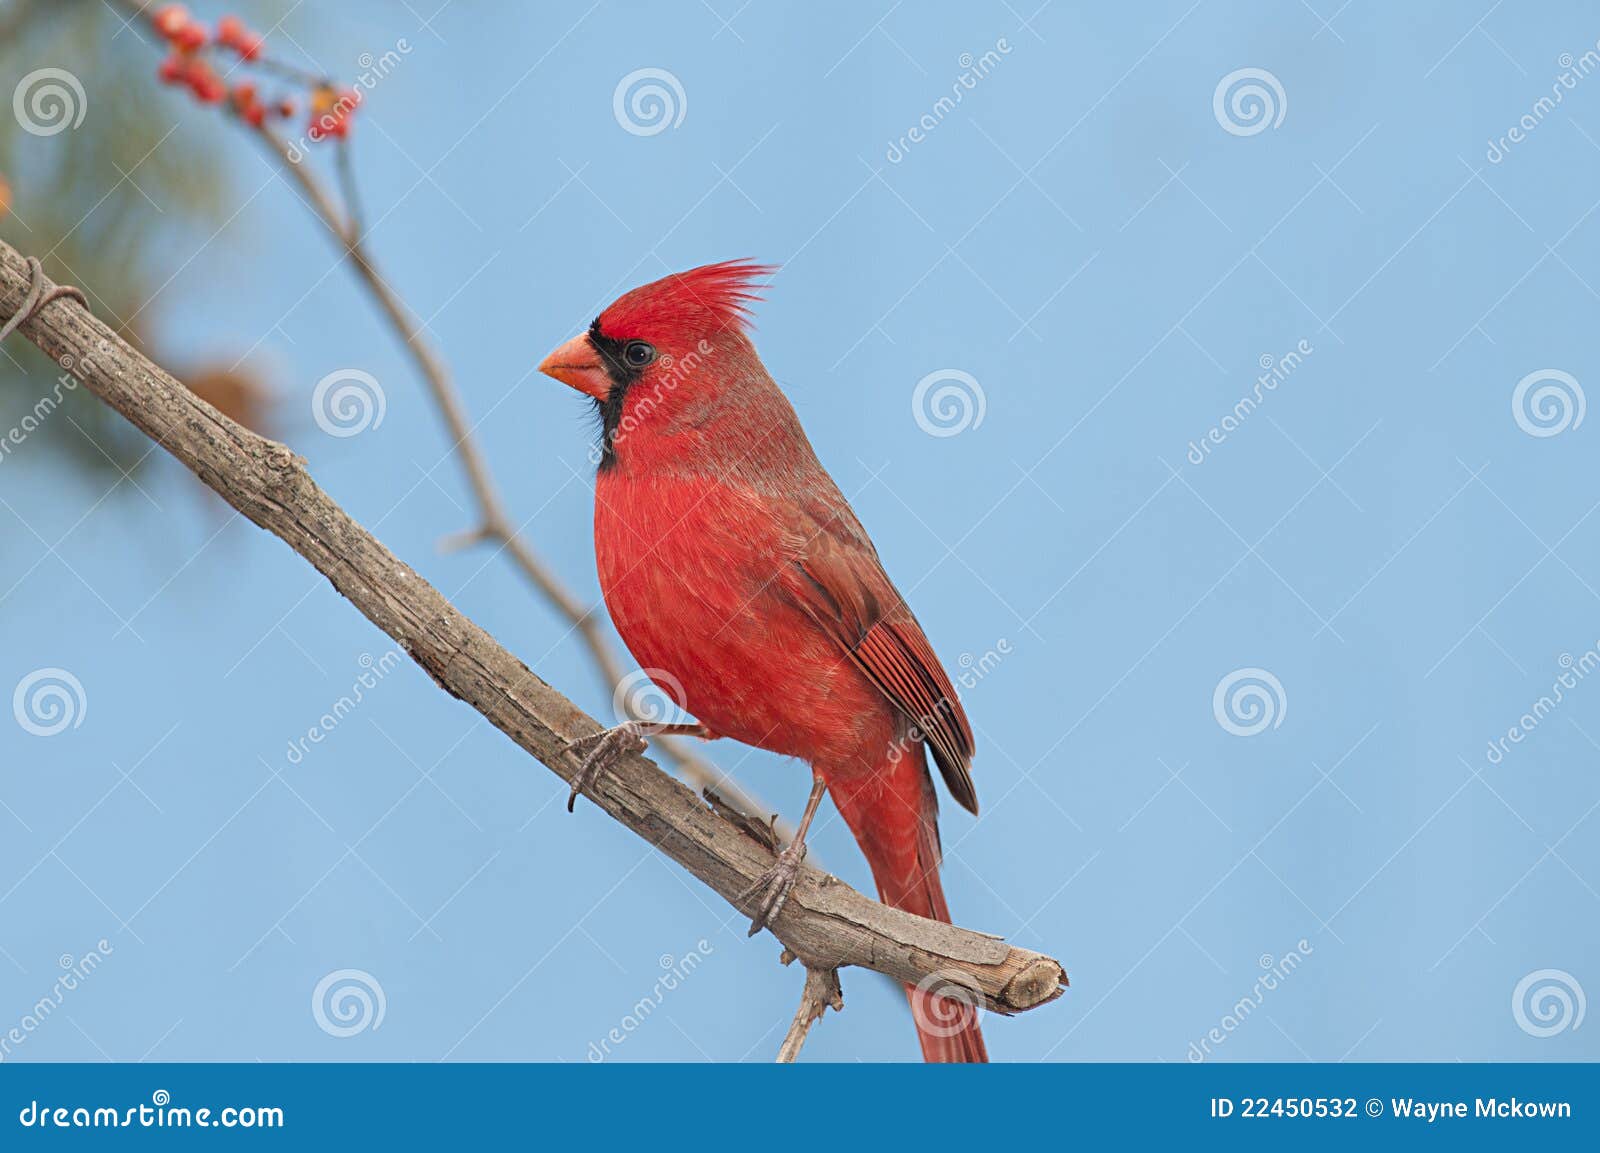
{"points": [[820, 994], [826, 923]]}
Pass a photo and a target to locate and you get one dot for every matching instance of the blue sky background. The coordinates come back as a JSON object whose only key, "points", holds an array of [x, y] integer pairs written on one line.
{"points": [[1110, 264]]}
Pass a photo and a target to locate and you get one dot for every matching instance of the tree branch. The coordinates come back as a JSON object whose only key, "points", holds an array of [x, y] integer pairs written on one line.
{"points": [[820, 994], [826, 923]]}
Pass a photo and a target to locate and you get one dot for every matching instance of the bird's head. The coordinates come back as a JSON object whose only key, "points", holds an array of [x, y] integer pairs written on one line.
{"points": [[664, 346]]}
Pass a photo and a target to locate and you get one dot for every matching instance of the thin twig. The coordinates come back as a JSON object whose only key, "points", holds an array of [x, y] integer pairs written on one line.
{"points": [[821, 993]]}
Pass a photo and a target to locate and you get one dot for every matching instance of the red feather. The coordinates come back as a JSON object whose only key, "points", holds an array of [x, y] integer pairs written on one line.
{"points": [[700, 301]]}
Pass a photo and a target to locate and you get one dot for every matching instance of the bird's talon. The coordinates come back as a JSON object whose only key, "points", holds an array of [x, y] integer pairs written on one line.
{"points": [[772, 888], [601, 751]]}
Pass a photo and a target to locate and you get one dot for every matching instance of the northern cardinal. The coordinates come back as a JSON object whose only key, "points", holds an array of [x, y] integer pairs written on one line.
{"points": [[732, 565]]}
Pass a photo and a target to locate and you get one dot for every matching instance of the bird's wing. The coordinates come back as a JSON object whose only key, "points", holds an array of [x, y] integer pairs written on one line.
{"points": [[835, 576]]}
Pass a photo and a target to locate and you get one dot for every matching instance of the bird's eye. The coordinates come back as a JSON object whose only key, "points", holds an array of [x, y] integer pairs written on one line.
{"points": [[638, 353]]}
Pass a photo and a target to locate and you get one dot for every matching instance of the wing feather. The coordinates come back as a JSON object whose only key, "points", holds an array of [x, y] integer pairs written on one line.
{"points": [[839, 581]]}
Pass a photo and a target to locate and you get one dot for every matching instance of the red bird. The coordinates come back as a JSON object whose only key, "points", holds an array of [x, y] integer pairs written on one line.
{"points": [[732, 563]]}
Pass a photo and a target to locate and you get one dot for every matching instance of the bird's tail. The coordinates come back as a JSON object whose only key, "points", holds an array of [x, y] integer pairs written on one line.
{"points": [[894, 816]]}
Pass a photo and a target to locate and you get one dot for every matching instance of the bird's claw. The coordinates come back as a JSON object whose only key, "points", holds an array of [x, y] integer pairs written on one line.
{"points": [[772, 888], [601, 751]]}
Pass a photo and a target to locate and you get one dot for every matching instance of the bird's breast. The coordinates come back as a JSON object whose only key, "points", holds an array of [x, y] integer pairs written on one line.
{"points": [[691, 573]]}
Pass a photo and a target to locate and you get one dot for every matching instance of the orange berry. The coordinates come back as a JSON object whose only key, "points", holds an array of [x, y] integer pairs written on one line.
{"points": [[170, 19], [190, 37]]}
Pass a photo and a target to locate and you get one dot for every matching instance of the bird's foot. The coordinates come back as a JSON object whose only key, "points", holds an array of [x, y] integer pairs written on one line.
{"points": [[772, 888], [600, 752]]}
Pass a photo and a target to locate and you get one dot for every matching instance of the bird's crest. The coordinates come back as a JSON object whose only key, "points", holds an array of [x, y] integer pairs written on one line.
{"points": [[703, 299]]}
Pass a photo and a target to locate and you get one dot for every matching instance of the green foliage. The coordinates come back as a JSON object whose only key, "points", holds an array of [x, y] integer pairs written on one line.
{"points": [[104, 204]]}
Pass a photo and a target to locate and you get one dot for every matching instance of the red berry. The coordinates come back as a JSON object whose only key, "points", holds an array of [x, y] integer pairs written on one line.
{"points": [[170, 19], [248, 46], [190, 37], [286, 108], [172, 69], [230, 29], [244, 93], [255, 115]]}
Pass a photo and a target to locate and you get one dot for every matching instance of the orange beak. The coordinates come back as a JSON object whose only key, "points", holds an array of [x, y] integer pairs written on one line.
{"points": [[576, 363]]}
